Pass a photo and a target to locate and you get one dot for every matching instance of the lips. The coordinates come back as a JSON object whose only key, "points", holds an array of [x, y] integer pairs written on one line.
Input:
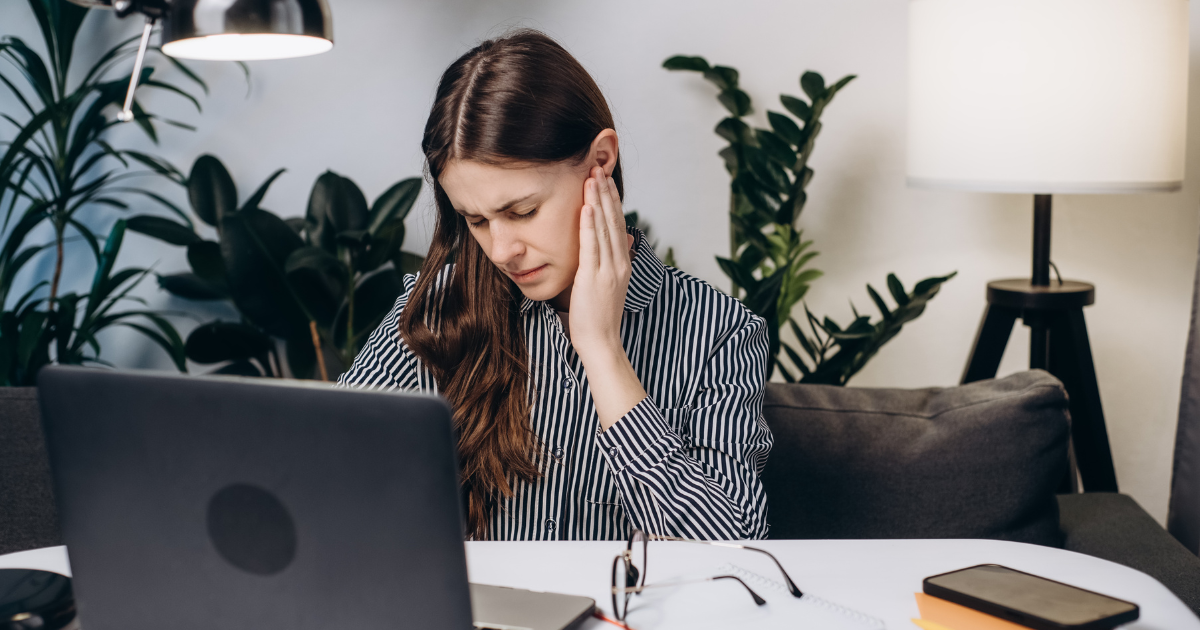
{"points": [[527, 275]]}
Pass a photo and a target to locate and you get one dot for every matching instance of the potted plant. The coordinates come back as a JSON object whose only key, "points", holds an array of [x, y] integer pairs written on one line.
{"points": [[769, 257], [316, 286]]}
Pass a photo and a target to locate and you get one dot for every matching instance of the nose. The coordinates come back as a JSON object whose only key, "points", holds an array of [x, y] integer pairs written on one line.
{"points": [[507, 244]]}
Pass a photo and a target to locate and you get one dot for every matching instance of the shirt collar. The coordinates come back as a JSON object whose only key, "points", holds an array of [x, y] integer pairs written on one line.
{"points": [[644, 281]]}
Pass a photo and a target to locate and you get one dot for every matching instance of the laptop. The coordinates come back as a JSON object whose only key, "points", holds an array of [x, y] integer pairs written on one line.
{"points": [[222, 502]]}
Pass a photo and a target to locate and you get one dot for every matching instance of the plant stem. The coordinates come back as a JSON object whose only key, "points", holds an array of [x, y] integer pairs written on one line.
{"points": [[316, 341], [58, 265]]}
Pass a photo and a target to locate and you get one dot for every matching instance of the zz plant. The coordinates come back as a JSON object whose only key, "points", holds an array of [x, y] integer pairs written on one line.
{"points": [[319, 284], [769, 258]]}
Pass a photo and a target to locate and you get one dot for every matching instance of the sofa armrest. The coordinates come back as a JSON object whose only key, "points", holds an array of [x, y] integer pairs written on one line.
{"points": [[1114, 527]]}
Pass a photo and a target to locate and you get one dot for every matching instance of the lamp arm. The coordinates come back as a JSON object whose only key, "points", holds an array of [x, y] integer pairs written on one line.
{"points": [[126, 114]]}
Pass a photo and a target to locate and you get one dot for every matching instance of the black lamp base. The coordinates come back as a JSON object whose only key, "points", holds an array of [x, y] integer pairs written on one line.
{"points": [[1058, 343]]}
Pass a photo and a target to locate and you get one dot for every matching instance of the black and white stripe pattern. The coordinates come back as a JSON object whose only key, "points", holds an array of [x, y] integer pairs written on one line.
{"points": [[683, 462]]}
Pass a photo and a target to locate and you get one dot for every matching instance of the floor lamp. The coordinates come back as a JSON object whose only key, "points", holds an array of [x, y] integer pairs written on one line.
{"points": [[1048, 97]]}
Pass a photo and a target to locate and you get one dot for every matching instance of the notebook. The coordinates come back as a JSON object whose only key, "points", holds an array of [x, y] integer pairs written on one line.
{"points": [[725, 604]]}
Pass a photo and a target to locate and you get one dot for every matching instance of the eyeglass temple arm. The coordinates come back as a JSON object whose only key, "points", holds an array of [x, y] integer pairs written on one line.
{"points": [[757, 600], [791, 585], [795, 590], [638, 589]]}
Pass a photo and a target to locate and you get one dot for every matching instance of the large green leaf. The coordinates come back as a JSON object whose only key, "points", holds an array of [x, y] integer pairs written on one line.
{"points": [[776, 148], [162, 229], [335, 205], [255, 246], [813, 85], [319, 280], [786, 128], [724, 77], [191, 287], [255, 199], [215, 342], [374, 297], [897, 290], [797, 107], [211, 190], [395, 203], [736, 101], [833, 89], [682, 62], [207, 262], [385, 246], [31, 65], [735, 131], [737, 273], [59, 23]]}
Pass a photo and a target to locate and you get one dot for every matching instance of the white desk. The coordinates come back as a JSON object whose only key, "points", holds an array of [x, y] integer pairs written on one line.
{"points": [[877, 577]]}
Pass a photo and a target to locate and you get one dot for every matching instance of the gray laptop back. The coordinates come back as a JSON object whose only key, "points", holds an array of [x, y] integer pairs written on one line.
{"points": [[192, 502]]}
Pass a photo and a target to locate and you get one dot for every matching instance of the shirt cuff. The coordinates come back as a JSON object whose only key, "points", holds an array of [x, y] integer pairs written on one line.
{"points": [[640, 439]]}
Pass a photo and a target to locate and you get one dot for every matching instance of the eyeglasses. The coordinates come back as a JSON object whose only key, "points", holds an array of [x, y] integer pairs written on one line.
{"points": [[629, 570]]}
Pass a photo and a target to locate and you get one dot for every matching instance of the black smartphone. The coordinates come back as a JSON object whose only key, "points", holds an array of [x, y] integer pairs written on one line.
{"points": [[1030, 600]]}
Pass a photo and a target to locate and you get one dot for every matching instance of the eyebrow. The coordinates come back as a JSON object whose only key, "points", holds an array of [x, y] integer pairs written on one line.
{"points": [[504, 208]]}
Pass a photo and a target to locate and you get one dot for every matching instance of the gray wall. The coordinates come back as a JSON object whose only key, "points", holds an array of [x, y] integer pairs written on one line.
{"points": [[360, 109]]}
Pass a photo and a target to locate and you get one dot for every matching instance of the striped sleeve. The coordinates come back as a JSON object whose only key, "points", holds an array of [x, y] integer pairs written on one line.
{"points": [[386, 362], [706, 485]]}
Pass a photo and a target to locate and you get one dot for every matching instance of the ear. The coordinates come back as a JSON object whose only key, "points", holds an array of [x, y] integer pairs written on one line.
{"points": [[604, 151]]}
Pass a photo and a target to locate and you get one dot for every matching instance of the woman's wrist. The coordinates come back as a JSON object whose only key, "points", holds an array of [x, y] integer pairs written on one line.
{"points": [[615, 386]]}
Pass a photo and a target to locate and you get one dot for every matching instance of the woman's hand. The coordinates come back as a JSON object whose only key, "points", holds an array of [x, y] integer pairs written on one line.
{"points": [[598, 294], [598, 300]]}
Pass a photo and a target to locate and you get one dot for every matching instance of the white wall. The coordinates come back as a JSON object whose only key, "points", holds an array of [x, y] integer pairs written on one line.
{"points": [[360, 110]]}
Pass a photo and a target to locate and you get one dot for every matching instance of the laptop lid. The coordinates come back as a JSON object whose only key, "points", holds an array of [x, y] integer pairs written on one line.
{"points": [[216, 502]]}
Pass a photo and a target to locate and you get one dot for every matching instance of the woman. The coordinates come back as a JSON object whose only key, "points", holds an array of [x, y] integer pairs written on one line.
{"points": [[593, 388]]}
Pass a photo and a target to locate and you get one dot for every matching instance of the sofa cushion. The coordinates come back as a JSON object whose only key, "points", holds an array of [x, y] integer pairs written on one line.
{"points": [[1114, 527], [976, 461], [28, 519]]}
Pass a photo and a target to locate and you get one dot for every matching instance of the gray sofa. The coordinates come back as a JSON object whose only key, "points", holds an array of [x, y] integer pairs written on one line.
{"points": [[976, 461]]}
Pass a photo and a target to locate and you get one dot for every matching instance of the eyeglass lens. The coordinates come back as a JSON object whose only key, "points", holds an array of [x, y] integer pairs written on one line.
{"points": [[629, 571]]}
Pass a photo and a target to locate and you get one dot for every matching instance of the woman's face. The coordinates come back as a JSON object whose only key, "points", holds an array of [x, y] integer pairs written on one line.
{"points": [[525, 217]]}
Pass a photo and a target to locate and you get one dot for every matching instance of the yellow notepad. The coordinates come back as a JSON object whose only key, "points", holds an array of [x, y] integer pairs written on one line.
{"points": [[956, 617]]}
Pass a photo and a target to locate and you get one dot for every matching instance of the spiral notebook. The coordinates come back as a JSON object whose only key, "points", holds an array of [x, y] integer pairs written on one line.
{"points": [[725, 604]]}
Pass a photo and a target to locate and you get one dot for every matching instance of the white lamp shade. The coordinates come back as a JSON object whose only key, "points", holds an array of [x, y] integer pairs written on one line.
{"points": [[1047, 96]]}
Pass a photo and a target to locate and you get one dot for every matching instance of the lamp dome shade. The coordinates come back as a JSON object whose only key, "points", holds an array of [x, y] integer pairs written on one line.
{"points": [[1047, 96], [247, 29]]}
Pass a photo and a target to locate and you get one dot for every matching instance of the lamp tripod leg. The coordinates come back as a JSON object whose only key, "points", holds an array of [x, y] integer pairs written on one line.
{"points": [[990, 340], [1072, 364]]}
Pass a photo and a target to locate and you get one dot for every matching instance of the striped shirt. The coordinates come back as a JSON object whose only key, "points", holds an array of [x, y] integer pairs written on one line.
{"points": [[683, 462]]}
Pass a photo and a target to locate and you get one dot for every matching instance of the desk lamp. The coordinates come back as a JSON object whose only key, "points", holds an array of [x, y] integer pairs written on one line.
{"points": [[226, 30], [1048, 97]]}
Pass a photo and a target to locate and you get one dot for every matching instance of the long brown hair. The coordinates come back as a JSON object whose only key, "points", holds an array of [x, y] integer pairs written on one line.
{"points": [[520, 98]]}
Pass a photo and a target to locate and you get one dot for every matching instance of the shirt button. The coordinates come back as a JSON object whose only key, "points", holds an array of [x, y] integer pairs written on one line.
{"points": [[613, 451], [559, 452], [550, 525], [567, 383]]}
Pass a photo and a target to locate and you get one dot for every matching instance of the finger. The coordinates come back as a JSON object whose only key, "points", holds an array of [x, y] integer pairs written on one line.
{"points": [[607, 212], [589, 255], [591, 198], [616, 218], [604, 254]]}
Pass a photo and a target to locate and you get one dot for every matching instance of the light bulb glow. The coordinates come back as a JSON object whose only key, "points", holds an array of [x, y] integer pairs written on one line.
{"points": [[247, 47]]}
